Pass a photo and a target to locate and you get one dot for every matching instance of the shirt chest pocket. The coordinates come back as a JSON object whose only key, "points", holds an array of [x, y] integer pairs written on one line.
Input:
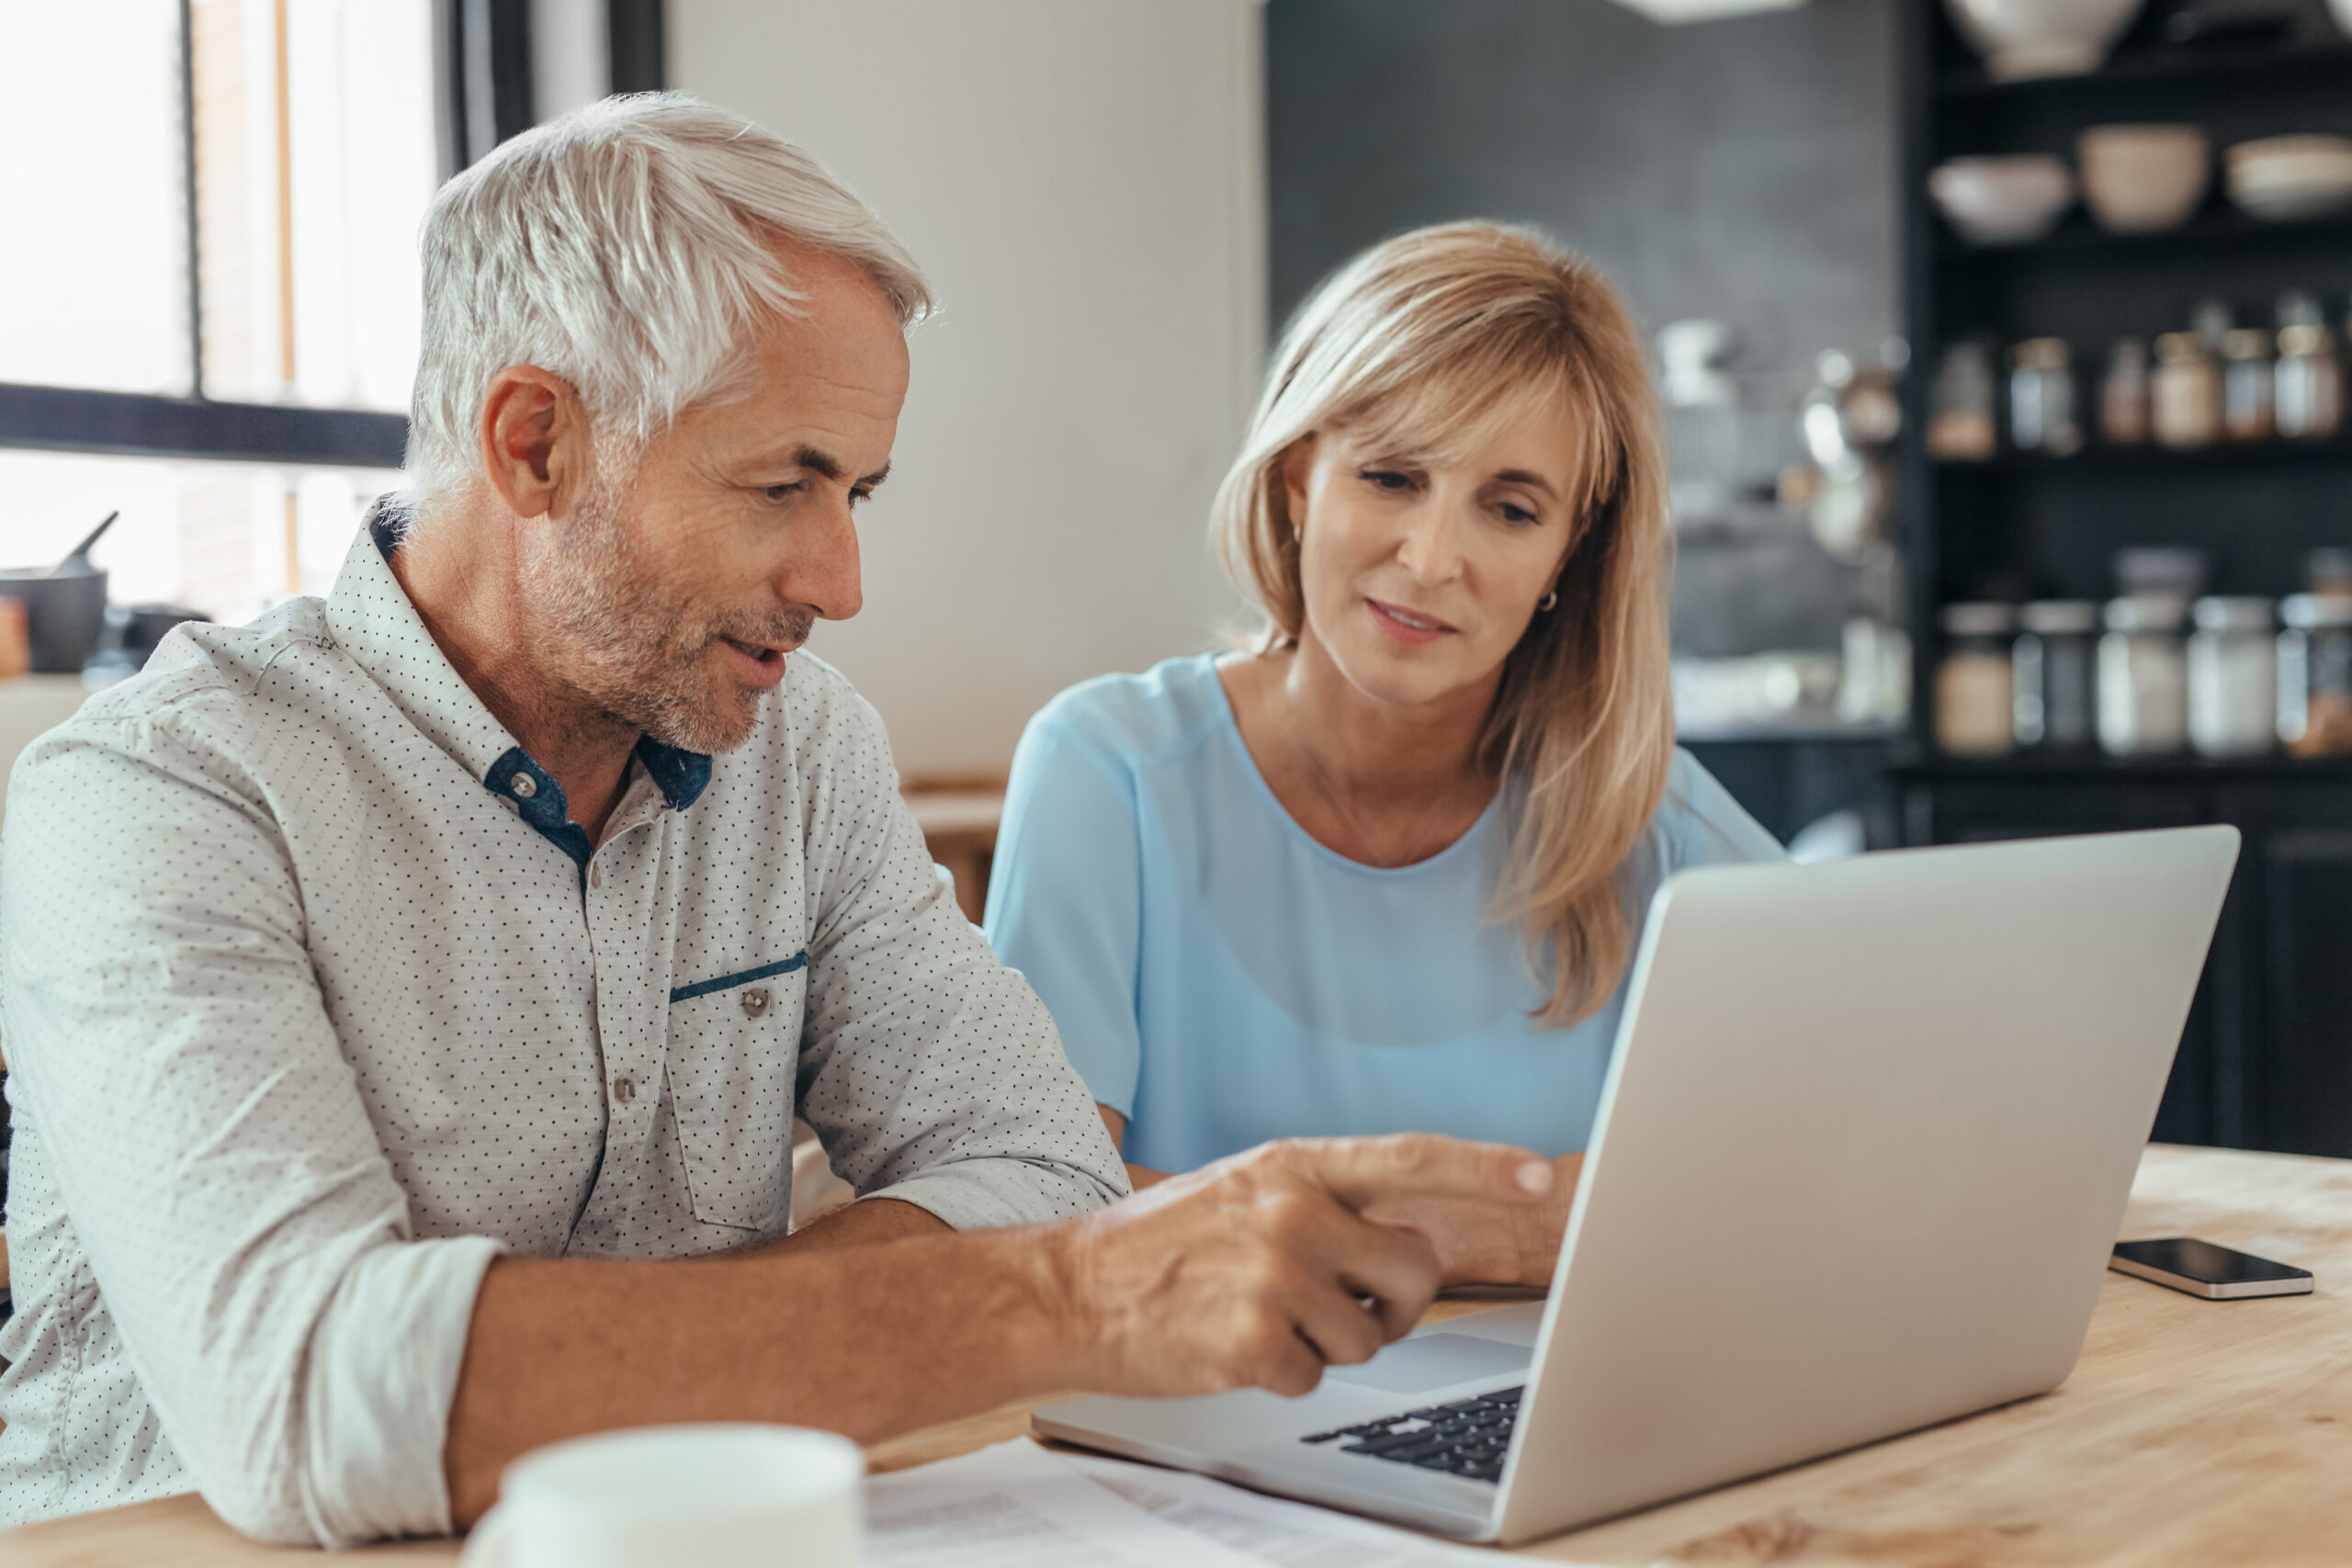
{"points": [[734, 1048]]}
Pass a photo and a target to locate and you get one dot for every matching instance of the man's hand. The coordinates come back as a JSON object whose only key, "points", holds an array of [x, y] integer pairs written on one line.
{"points": [[1256, 1271], [1483, 1243], [1261, 1270]]}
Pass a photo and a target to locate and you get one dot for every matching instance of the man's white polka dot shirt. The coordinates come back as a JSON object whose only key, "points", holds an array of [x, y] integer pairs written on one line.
{"points": [[312, 1003]]}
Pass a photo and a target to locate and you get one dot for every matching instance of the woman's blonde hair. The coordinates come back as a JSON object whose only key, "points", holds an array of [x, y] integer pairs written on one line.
{"points": [[1432, 341]]}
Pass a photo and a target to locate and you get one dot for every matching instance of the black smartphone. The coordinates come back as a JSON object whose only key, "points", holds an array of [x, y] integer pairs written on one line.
{"points": [[2203, 1269]]}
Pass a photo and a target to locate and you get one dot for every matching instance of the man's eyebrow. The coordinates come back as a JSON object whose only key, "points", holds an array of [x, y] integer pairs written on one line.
{"points": [[817, 460], [1533, 480]]}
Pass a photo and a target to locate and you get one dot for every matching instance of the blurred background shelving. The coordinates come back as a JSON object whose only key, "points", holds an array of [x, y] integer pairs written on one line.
{"points": [[2260, 1064]]}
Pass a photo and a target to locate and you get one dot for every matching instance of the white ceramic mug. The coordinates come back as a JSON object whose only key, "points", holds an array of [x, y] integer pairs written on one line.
{"points": [[717, 1496]]}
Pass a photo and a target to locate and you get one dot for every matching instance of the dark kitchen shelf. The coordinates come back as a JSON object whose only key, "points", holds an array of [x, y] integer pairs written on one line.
{"points": [[2095, 458], [2256, 1066], [2081, 766], [2172, 65], [2218, 225]]}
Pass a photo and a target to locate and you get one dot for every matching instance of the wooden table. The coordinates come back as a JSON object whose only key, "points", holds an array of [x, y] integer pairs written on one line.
{"points": [[2192, 1432]]}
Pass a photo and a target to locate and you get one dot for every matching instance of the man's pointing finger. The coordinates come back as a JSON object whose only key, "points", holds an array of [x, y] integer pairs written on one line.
{"points": [[1360, 1171]]}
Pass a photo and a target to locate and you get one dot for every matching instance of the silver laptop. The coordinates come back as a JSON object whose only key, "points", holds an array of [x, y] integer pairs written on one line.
{"points": [[1863, 1148]]}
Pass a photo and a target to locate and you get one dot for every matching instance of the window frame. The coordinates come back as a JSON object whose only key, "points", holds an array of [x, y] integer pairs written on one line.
{"points": [[485, 45]]}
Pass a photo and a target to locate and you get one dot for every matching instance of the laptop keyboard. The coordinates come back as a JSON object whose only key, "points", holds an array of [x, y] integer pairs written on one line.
{"points": [[1468, 1438]]}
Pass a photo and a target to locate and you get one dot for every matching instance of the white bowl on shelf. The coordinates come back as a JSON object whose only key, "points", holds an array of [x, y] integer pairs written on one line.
{"points": [[2004, 200], [2140, 179], [2287, 178], [2295, 201], [2289, 153], [2025, 38]]}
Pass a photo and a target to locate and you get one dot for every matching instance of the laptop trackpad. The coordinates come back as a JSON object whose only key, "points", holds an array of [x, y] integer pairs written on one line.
{"points": [[1434, 1361]]}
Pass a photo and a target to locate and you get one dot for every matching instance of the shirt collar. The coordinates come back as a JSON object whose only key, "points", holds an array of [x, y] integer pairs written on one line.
{"points": [[681, 775], [371, 616]]}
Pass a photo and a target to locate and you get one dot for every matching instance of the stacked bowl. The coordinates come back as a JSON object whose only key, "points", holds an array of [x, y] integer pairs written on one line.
{"points": [[2140, 179], [2025, 38], [2287, 178], [2004, 200]]}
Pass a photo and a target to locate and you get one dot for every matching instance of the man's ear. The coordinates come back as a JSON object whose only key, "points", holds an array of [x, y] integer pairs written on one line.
{"points": [[534, 441]]}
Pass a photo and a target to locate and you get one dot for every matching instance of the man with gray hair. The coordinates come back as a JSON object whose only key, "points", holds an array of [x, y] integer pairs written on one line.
{"points": [[402, 989]]}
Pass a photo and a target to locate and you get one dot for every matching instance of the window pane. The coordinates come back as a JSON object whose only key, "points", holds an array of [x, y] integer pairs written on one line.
{"points": [[316, 157], [93, 275], [230, 539]]}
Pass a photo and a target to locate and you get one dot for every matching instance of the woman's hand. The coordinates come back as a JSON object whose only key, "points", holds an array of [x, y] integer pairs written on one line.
{"points": [[1482, 1243]]}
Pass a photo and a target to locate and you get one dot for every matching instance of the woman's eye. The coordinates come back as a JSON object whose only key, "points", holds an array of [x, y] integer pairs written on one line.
{"points": [[1517, 515], [1387, 478]]}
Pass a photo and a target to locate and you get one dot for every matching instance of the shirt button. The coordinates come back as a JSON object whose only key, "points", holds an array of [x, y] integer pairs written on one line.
{"points": [[624, 1089], [755, 1001], [523, 786]]}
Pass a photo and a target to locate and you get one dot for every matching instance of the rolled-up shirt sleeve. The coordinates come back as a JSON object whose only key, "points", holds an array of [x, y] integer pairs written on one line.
{"points": [[932, 1072], [166, 1031]]}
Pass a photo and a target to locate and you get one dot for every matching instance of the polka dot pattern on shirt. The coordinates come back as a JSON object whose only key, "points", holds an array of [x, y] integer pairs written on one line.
{"points": [[305, 1024]]}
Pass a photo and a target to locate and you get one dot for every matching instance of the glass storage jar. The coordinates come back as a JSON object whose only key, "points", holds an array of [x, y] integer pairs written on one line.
{"points": [[2246, 385], [2310, 394], [1960, 427], [2316, 674], [2123, 395], [2328, 570], [1972, 684], [2185, 403], [2143, 677], [2050, 663], [2041, 399], [2233, 679], [2209, 321]]}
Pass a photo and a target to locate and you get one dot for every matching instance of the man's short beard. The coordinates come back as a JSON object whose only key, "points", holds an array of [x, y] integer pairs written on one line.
{"points": [[628, 645]]}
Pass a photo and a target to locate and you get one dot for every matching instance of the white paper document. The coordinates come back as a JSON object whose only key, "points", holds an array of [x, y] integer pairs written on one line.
{"points": [[1015, 1506], [1270, 1530], [1019, 1506]]}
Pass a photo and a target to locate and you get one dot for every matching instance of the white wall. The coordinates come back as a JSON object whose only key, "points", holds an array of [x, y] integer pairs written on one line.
{"points": [[570, 64], [1082, 181]]}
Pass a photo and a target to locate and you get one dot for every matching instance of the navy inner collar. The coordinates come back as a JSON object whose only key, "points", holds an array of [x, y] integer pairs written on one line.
{"points": [[681, 775], [387, 523], [540, 800]]}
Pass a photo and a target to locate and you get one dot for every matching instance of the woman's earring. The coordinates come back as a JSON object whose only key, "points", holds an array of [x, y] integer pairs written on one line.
{"points": [[1549, 602]]}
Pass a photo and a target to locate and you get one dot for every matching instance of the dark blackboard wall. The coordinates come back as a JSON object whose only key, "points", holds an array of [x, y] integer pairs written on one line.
{"points": [[1743, 169]]}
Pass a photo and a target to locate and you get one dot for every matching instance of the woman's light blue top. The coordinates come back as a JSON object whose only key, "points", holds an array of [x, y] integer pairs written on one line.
{"points": [[1221, 978]]}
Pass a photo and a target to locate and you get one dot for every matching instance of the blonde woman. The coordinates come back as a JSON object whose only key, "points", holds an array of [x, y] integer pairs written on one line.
{"points": [[1385, 872]]}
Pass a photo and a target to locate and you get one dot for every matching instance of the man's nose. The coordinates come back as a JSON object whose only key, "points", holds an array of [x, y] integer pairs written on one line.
{"points": [[823, 572]]}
